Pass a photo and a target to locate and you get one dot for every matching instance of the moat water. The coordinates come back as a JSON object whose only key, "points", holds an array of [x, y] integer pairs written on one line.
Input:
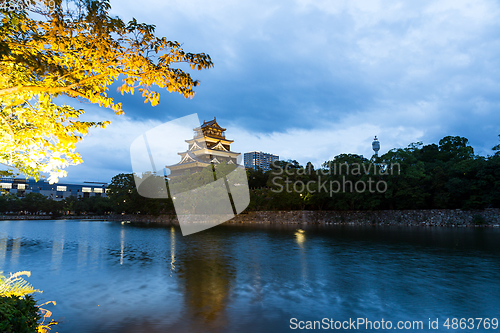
{"points": [[109, 277]]}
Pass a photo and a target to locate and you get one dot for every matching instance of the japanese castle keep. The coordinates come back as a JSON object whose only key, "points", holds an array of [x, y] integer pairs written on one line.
{"points": [[207, 147]]}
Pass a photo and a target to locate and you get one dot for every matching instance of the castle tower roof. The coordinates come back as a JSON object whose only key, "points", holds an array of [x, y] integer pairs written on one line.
{"points": [[208, 146]]}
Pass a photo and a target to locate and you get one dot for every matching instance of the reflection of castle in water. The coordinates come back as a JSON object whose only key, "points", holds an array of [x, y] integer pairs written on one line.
{"points": [[208, 274]]}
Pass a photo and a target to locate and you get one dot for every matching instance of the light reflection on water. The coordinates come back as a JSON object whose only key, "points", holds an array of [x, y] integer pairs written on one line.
{"points": [[108, 277], [3, 247], [122, 244], [58, 245], [172, 250]]}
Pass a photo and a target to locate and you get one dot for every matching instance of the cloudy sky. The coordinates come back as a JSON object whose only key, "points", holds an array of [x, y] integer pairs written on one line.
{"points": [[310, 79]]}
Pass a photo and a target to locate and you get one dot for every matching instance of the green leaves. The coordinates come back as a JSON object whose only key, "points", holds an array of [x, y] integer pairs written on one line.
{"points": [[18, 315], [123, 195]]}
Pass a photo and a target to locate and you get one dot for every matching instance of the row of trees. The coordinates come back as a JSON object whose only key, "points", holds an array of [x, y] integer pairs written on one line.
{"points": [[445, 175], [36, 203], [122, 198]]}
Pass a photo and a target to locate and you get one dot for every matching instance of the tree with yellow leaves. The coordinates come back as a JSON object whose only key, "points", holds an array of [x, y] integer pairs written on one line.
{"points": [[74, 48]]}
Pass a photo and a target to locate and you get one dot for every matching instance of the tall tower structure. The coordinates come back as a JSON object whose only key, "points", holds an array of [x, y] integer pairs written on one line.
{"points": [[376, 145]]}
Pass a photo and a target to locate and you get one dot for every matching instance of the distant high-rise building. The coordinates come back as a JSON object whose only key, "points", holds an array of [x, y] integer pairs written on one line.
{"points": [[376, 145], [258, 159]]}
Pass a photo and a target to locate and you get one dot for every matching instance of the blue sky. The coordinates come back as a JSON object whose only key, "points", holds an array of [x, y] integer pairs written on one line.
{"points": [[310, 79]]}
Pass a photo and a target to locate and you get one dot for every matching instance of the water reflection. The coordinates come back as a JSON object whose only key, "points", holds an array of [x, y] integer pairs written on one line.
{"points": [[3, 247], [58, 245], [16, 244], [122, 243], [300, 237], [16, 251], [251, 279], [206, 271], [94, 246], [83, 244], [172, 250]]}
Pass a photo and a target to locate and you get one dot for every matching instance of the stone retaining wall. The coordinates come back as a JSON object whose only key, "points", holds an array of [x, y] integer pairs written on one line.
{"points": [[433, 217], [49, 217]]}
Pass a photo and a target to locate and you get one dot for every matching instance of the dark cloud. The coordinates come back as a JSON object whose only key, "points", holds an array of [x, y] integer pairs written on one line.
{"points": [[411, 71]]}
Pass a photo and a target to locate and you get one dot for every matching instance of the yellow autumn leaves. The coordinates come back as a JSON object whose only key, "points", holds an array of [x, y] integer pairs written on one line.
{"points": [[76, 53]]}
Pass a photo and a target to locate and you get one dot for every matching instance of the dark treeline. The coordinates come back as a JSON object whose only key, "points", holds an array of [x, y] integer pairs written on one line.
{"points": [[36, 204], [122, 198], [447, 175]]}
